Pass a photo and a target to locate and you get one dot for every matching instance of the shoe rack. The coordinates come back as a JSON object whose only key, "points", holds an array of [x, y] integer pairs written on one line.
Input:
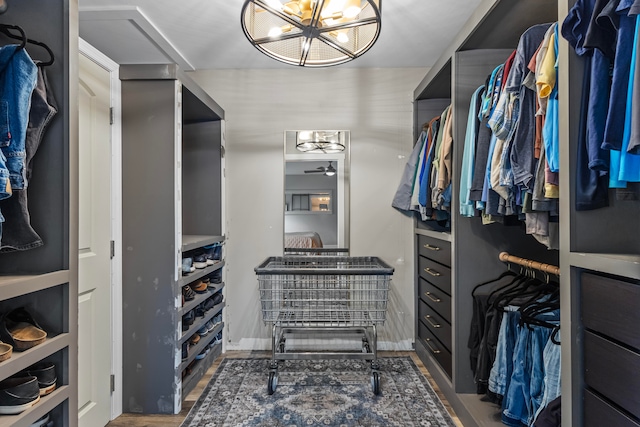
{"points": [[43, 280], [173, 163]]}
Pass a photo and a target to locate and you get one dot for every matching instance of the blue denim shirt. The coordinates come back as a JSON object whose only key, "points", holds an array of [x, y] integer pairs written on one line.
{"points": [[18, 77]]}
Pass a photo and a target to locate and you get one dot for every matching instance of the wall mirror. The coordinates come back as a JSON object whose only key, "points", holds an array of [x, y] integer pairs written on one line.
{"points": [[316, 189]]}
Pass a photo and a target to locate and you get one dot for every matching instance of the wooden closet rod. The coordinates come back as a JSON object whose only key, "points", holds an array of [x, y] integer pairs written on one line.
{"points": [[547, 268]]}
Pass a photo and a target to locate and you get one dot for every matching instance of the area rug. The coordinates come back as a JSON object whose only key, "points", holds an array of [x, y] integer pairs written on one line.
{"points": [[318, 393]]}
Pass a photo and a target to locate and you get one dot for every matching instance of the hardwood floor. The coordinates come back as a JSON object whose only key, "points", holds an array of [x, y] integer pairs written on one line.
{"points": [[136, 420]]}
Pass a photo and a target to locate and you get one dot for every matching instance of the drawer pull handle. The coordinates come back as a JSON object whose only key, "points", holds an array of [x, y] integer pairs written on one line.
{"points": [[431, 297], [431, 248], [435, 325], [432, 272], [433, 350]]}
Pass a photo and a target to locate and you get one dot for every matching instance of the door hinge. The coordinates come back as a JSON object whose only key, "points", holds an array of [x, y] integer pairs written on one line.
{"points": [[113, 383], [113, 249], [111, 116]]}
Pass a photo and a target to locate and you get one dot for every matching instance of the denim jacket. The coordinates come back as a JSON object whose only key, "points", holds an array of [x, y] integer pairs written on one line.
{"points": [[18, 77]]}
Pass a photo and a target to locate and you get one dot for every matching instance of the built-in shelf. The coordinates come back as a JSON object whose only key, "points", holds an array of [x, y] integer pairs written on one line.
{"points": [[200, 322], [621, 265], [435, 234], [37, 411], [13, 286], [190, 241], [200, 273], [200, 298], [197, 372], [204, 341], [20, 360]]}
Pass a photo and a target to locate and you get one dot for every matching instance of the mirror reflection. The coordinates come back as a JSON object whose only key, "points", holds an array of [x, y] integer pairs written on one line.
{"points": [[316, 206]]}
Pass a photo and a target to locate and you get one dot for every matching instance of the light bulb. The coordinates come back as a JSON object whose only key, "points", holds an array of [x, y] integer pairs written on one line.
{"points": [[275, 4], [275, 31], [342, 37], [351, 12], [329, 173]]}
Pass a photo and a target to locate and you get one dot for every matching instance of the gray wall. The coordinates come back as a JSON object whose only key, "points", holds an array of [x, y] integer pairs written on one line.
{"points": [[376, 106], [326, 225]]}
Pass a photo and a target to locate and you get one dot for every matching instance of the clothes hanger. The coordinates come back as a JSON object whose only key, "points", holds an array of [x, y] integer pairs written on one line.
{"points": [[502, 275], [6, 30]]}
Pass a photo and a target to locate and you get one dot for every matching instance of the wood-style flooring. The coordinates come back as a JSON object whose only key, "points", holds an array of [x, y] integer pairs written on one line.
{"points": [[136, 420]]}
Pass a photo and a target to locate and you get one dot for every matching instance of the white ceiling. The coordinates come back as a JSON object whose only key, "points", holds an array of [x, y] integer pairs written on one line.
{"points": [[207, 34]]}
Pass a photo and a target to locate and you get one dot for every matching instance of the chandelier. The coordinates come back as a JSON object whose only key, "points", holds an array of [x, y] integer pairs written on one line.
{"points": [[312, 33], [325, 142]]}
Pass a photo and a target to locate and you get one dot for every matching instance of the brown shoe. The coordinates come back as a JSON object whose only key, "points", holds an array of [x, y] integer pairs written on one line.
{"points": [[199, 287]]}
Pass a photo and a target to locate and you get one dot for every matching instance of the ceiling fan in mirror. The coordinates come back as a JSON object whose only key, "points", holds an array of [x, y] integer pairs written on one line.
{"points": [[326, 170]]}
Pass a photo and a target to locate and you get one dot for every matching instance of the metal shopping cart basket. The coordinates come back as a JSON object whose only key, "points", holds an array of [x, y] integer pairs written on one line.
{"points": [[323, 295]]}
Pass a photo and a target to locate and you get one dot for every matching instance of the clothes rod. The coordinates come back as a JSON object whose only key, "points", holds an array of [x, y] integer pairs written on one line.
{"points": [[547, 268]]}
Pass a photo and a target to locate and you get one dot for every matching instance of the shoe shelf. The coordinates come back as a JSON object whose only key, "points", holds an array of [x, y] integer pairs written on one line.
{"points": [[204, 341], [191, 241], [44, 406], [199, 273], [200, 298], [198, 370], [21, 360], [202, 320], [618, 264], [14, 286]]}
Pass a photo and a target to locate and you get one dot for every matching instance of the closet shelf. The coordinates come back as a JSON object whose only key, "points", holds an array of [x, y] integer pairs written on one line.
{"points": [[13, 286], [190, 381], [201, 321], [200, 273], [618, 264], [189, 305], [192, 241], [21, 360], [37, 411], [441, 235], [205, 341]]}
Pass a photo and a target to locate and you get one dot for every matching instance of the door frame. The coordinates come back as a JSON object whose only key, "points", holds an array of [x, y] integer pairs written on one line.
{"points": [[116, 220]]}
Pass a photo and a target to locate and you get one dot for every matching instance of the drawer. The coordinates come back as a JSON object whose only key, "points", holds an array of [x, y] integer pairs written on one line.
{"points": [[434, 273], [610, 307], [435, 348], [435, 323], [435, 249], [436, 299], [598, 413], [612, 371]]}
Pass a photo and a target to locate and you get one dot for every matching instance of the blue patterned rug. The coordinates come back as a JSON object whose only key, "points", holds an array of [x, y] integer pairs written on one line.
{"points": [[318, 393]]}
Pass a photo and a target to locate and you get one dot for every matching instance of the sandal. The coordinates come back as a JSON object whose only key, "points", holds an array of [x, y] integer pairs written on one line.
{"points": [[20, 329], [5, 351]]}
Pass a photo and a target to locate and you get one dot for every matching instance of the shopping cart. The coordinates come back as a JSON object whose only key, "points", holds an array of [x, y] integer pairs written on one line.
{"points": [[335, 296], [316, 251]]}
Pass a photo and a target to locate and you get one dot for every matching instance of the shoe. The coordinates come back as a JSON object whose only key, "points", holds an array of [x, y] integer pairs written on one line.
{"points": [[202, 354], [213, 252], [199, 287], [185, 351], [45, 372], [187, 266], [195, 339], [188, 319], [188, 293], [210, 326], [200, 261], [216, 276], [5, 351], [19, 329], [18, 394], [203, 331], [43, 422], [217, 298], [208, 304]]}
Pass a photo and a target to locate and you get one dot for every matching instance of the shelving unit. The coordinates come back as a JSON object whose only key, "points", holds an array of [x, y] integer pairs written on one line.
{"points": [[44, 279], [172, 207], [486, 40]]}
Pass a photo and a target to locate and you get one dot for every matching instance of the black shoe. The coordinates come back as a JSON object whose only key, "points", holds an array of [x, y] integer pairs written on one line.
{"points": [[45, 372], [188, 293], [18, 394], [43, 422]]}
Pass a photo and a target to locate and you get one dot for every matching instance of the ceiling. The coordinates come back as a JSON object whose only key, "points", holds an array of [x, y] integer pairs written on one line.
{"points": [[207, 34]]}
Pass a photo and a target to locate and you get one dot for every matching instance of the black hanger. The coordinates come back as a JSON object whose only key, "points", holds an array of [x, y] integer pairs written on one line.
{"points": [[500, 277], [6, 30]]}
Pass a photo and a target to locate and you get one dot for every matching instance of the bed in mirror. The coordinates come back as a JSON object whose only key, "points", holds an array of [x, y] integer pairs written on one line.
{"points": [[316, 191]]}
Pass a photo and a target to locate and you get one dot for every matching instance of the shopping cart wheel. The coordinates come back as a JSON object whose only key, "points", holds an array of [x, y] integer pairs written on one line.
{"points": [[273, 382], [375, 383]]}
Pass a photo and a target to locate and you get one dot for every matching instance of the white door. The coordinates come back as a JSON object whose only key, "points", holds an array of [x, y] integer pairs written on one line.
{"points": [[94, 294]]}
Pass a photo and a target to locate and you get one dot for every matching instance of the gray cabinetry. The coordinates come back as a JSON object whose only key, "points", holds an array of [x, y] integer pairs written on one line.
{"points": [[467, 254], [172, 207], [44, 279]]}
